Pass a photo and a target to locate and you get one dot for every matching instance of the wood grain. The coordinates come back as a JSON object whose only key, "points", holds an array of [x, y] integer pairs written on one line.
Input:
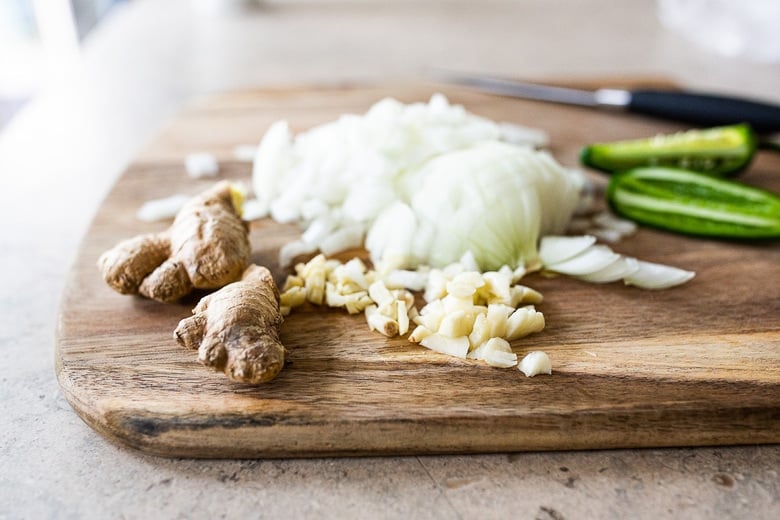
{"points": [[695, 365]]}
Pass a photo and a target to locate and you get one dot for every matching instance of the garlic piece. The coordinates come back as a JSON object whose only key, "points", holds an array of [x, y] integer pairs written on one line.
{"points": [[535, 363]]}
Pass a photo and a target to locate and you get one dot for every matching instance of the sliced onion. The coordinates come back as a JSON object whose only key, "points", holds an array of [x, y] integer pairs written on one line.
{"points": [[650, 275], [555, 249], [589, 261], [617, 270]]}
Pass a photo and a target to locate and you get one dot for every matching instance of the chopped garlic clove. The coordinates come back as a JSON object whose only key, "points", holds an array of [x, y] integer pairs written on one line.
{"points": [[497, 287], [293, 297], [501, 359], [379, 293], [497, 316], [455, 324], [521, 295], [522, 322], [402, 317], [419, 333], [480, 331], [497, 353], [413, 280], [457, 347], [380, 323], [535, 363], [436, 287]]}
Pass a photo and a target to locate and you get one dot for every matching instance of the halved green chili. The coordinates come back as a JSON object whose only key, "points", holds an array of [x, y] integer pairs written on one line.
{"points": [[720, 151], [694, 203]]}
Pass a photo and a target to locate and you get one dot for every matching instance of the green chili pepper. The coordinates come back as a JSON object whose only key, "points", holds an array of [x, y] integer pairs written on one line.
{"points": [[694, 203], [720, 151]]}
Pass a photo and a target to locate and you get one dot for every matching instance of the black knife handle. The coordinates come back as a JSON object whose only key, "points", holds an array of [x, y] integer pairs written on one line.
{"points": [[705, 109]]}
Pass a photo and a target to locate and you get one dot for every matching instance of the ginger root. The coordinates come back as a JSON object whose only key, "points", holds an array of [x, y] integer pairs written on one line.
{"points": [[206, 247], [236, 329]]}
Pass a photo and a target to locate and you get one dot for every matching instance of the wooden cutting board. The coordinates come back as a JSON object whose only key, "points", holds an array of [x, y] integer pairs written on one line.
{"points": [[694, 365]]}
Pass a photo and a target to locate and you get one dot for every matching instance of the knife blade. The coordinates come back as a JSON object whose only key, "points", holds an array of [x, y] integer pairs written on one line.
{"points": [[700, 108]]}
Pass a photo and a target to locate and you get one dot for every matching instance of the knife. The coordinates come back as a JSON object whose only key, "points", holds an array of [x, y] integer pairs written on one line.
{"points": [[699, 108]]}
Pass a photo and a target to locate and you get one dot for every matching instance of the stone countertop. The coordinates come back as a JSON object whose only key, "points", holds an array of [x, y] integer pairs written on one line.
{"points": [[63, 152]]}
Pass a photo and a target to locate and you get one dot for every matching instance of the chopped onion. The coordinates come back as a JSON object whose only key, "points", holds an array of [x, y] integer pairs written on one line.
{"points": [[492, 200], [342, 239], [523, 135], [161, 209], [245, 152], [428, 182], [290, 250], [199, 165]]}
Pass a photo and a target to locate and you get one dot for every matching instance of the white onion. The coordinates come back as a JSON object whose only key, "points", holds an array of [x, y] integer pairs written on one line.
{"points": [[555, 249], [597, 263], [161, 209], [617, 270], [591, 260], [245, 152], [658, 276], [200, 165], [417, 156]]}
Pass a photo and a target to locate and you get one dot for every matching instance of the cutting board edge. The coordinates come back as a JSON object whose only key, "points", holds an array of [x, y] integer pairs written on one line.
{"points": [[257, 436], [161, 438]]}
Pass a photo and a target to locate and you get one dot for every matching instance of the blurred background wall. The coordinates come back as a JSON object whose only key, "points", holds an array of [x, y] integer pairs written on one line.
{"points": [[34, 36]]}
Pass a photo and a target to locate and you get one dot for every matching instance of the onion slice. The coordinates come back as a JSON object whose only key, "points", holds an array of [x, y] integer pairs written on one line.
{"points": [[617, 270], [556, 249], [650, 275], [592, 259]]}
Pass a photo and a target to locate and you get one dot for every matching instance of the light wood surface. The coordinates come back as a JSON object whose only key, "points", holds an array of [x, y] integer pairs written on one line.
{"points": [[696, 365]]}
